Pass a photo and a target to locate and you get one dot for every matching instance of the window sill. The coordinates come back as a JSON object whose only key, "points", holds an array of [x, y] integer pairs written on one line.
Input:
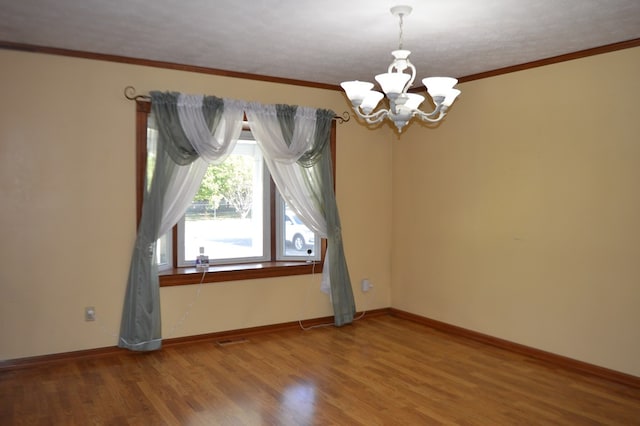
{"points": [[245, 271]]}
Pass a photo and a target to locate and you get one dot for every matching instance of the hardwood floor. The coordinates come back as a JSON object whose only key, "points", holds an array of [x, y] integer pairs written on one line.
{"points": [[380, 371]]}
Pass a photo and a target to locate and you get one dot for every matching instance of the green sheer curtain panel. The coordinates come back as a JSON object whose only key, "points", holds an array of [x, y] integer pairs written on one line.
{"points": [[140, 328], [341, 291], [317, 172]]}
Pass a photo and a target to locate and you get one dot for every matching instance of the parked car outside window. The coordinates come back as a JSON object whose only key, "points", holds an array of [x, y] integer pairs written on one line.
{"points": [[297, 235]]}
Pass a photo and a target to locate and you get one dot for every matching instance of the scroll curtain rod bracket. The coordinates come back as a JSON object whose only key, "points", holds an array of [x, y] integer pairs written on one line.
{"points": [[343, 118], [130, 93]]}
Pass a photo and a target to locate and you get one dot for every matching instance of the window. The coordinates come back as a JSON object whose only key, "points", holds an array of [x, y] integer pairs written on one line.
{"points": [[229, 218], [237, 216]]}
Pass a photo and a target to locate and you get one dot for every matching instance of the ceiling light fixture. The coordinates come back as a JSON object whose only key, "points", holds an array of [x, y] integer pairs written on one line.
{"points": [[395, 83]]}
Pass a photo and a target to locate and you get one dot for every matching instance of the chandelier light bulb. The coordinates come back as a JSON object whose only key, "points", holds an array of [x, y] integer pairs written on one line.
{"points": [[439, 86], [413, 100], [395, 83], [371, 101], [451, 96], [392, 83], [356, 91]]}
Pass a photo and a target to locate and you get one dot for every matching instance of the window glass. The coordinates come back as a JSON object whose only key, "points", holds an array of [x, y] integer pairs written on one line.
{"points": [[297, 241], [229, 214]]}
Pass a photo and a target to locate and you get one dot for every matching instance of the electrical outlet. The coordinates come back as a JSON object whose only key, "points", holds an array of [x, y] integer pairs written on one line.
{"points": [[366, 285], [89, 313]]}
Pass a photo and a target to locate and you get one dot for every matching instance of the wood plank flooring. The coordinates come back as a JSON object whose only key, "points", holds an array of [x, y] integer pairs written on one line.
{"points": [[379, 371]]}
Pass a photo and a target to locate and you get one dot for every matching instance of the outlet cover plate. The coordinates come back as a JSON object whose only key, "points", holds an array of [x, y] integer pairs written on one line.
{"points": [[89, 313]]}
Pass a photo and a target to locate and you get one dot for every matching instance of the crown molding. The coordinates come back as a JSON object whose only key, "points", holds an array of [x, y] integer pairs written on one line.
{"points": [[7, 45]]}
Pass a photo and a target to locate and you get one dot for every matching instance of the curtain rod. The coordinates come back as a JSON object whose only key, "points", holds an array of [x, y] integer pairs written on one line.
{"points": [[130, 93]]}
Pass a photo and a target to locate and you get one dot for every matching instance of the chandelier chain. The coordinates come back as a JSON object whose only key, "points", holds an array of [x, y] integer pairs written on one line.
{"points": [[401, 15]]}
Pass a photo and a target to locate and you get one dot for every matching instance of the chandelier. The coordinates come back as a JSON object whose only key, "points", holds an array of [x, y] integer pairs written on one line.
{"points": [[395, 83]]}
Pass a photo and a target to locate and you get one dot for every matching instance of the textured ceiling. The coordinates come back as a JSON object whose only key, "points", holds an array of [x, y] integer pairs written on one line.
{"points": [[325, 41]]}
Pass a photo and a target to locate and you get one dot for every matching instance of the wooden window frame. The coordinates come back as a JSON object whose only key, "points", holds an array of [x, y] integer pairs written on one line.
{"points": [[228, 272]]}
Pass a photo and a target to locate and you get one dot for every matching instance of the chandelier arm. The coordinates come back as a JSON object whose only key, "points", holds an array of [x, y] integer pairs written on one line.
{"points": [[412, 79], [374, 118], [427, 117], [439, 109]]}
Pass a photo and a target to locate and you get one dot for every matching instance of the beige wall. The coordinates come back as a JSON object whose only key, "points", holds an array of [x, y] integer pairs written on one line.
{"points": [[68, 207], [519, 217]]}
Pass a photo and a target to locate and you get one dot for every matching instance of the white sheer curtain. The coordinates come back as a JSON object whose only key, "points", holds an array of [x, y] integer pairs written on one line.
{"points": [[295, 144], [282, 163], [180, 192], [211, 148]]}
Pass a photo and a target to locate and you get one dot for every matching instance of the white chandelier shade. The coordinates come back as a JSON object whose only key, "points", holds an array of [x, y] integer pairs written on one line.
{"points": [[395, 83]]}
